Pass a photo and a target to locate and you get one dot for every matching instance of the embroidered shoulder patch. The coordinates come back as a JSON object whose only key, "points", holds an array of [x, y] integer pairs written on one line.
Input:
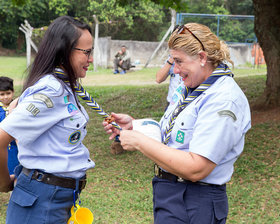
{"points": [[227, 113], [33, 109], [45, 99]]}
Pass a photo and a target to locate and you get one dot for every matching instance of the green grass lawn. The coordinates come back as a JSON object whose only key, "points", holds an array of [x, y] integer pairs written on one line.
{"points": [[15, 67], [119, 188]]}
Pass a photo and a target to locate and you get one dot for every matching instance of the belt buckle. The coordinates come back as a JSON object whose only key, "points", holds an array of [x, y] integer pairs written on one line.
{"points": [[38, 176], [156, 170], [180, 179]]}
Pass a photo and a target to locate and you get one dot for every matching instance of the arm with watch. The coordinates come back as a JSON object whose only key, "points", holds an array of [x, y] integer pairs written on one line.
{"points": [[163, 73]]}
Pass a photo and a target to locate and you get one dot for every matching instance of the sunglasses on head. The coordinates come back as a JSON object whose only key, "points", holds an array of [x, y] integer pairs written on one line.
{"points": [[182, 28]]}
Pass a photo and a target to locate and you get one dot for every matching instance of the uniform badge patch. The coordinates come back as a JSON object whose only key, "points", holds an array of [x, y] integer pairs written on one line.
{"points": [[66, 99], [45, 99], [180, 137], [74, 137], [179, 89], [227, 113], [174, 98], [32, 109], [72, 109]]}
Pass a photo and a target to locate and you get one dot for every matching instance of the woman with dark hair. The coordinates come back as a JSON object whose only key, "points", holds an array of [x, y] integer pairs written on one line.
{"points": [[203, 132], [49, 124]]}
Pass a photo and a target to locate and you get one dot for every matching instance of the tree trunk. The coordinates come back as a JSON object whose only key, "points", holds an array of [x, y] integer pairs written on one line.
{"points": [[267, 29]]}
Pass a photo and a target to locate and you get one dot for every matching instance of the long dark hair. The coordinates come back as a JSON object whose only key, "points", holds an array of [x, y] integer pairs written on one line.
{"points": [[55, 49]]}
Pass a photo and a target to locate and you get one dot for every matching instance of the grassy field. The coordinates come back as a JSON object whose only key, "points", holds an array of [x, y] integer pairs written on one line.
{"points": [[119, 187], [15, 67]]}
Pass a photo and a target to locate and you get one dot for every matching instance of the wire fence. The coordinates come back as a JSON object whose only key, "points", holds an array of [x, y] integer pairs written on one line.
{"points": [[230, 28]]}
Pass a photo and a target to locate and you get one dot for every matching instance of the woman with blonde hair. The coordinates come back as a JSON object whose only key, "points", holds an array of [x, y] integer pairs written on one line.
{"points": [[203, 132]]}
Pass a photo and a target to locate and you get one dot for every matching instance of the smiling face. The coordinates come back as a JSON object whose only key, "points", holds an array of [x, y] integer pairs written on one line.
{"points": [[189, 68], [6, 97], [78, 58]]}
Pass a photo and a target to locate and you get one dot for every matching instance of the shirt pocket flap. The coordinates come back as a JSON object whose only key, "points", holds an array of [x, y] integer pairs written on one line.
{"points": [[185, 122], [23, 198], [75, 122]]}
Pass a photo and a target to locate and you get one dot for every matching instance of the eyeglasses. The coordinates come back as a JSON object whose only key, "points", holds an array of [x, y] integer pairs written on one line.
{"points": [[88, 53], [182, 28]]}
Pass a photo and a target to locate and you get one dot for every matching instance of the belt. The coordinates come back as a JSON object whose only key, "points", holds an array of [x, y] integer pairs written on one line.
{"points": [[160, 173], [48, 178]]}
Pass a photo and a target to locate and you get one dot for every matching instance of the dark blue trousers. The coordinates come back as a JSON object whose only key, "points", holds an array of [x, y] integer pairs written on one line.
{"points": [[178, 203]]}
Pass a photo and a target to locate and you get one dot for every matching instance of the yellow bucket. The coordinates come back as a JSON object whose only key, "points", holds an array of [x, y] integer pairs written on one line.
{"points": [[80, 216]]}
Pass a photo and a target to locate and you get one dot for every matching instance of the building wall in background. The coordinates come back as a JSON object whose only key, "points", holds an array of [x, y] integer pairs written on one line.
{"points": [[141, 51]]}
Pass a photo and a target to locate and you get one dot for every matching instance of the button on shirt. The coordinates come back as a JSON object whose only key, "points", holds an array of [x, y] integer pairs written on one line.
{"points": [[50, 128], [213, 126]]}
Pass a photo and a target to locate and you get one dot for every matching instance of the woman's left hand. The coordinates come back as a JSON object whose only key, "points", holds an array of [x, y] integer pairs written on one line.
{"points": [[130, 140], [13, 105]]}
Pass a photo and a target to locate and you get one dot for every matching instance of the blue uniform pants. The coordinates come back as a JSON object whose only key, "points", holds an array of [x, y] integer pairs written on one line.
{"points": [[179, 203], [35, 202]]}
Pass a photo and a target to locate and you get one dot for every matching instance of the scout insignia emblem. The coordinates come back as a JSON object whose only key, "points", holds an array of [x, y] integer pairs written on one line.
{"points": [[180, 137], [74, 137]]}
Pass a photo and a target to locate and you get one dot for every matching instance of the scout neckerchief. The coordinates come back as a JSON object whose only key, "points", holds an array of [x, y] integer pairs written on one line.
{"points": [[80, 91], [4, 108], [221, 70]]}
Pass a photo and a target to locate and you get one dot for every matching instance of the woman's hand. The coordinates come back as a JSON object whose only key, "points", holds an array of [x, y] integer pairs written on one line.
{"points": [[13, 105], [123, 120], [130, 139]]}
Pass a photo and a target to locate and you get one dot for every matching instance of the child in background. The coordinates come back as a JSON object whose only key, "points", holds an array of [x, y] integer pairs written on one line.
{"points": [[6, 97]]}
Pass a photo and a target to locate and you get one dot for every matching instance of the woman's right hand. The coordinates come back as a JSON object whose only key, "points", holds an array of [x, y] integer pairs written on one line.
{"points": [[123, 120]]}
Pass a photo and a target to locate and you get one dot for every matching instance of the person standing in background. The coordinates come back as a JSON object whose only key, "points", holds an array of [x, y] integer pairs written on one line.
{"points": [[175, 80]]}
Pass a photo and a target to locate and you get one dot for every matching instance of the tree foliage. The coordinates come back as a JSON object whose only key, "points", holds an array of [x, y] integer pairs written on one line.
{"points": [[145, 20], [13, 15], [131, 21], [230, 29]]}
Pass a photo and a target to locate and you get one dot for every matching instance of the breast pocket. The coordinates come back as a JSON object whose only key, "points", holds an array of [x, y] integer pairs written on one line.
{"points": [[74, 128], [182, 132]]}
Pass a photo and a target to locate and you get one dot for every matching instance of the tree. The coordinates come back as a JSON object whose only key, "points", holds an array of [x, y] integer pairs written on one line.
{"points": [[267, 29], [128, 21], [118, 19], [12, 15]]}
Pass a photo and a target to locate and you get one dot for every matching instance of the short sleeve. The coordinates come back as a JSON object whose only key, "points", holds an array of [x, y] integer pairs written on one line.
{"points": [[217, 130], [38, 110]]}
